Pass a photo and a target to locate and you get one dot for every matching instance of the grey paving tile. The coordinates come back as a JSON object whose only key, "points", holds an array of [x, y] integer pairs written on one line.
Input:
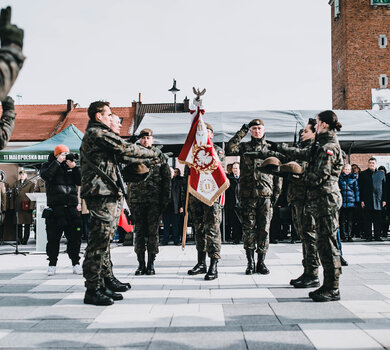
{"points": [[64, 312], [63, 324], [378, 331], [249, 314], [29, 300], [18, 288], [198, 338], [122, 338], [276, 337], [17, 324], [7, 276], [311, 312]]}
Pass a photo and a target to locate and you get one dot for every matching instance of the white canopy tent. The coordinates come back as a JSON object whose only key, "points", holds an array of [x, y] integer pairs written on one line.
{"points": [[363, 131]]}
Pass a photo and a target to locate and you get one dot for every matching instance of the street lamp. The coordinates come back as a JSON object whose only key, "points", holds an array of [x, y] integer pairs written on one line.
{"points": [[174, 91]]}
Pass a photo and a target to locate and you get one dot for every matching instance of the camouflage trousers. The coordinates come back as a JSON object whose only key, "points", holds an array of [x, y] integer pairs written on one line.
{"points": [[304, 225], [146, 224], [326, 229], [104, 214], [256, 221], [206, 223]]}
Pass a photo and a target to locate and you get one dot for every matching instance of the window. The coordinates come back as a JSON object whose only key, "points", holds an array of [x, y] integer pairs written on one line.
{"points": [[382, 41], [383, 81], [336, 9], [338, 66]]}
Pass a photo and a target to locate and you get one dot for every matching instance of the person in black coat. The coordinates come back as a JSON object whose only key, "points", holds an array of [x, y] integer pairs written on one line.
{"points": [[372, 184], [232, 205], [61, 176]]}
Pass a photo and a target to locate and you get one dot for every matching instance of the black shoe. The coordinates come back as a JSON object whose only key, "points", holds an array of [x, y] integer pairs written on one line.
{"points": [[200, 267], [349, 239], [319, 290], [295, 280], [97, 297], [111, 294], [261, 268], [377, 239], [115, 285], [150, 266], [141, 270], [326, 295], [343, 261], [307, 282], [250, 255], [368, 239], [212, 273]]}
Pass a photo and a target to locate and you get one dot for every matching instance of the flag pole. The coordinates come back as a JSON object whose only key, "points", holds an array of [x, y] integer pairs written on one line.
{"points": [[183, 241]]}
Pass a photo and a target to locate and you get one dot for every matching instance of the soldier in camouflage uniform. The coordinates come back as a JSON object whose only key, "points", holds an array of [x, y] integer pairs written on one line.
{"points": [[99, 188], [303, 219], [321, 178], [11, 56], [206, 221], [258, 192], [148, 199]]}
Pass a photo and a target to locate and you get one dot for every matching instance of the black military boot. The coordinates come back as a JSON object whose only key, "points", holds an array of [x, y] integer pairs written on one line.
{"points": [[200, 267], [250, 255], [115, 285], [326, 295], [141, 270], [111, 294], [261, 268], [343, 261], [97, 297], [308, 281], [295, 280], [212, 273], [150, 266]]}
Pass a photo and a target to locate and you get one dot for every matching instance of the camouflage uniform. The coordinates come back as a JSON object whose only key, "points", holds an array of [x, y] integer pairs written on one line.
{"points": [[147, 199], [303, 219], [99, 146], [207, 220], [321, 178], [258, 191]]}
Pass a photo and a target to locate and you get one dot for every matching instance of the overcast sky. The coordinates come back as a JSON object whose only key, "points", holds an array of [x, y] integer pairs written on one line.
{"points": [[248, 54]]}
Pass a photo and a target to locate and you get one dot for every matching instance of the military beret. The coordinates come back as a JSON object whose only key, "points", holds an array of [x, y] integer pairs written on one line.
{"points": [[146, 132], [291, 167], [208, 126], [255, 122], [135, 172], [270, 165]]}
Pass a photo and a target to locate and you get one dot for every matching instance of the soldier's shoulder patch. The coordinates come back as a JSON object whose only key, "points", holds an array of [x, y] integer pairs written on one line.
{"points": [[329, 152]]}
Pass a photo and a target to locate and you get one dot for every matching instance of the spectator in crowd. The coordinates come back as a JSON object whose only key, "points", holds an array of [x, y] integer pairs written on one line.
{"points": [[349, 188], [62, 176], [372, 184], [232, 206], [355, 169], [385, 222], [175, 207], [229, 168], [24, 206]]}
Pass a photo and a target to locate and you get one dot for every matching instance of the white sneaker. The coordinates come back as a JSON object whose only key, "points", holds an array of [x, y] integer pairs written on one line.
{"points": [[51, 271], [77, 270]]}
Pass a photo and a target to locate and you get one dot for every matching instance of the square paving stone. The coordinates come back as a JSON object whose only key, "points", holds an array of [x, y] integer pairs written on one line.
{"points": [[249, 314], [311, 312], [276, 337], [121, 338], [378, 331]]}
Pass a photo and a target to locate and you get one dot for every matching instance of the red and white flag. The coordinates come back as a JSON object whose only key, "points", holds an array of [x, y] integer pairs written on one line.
{"points": [[208, 179]]}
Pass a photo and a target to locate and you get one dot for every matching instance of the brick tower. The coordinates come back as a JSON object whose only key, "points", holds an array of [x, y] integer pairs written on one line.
{"points": [[360, 53]]}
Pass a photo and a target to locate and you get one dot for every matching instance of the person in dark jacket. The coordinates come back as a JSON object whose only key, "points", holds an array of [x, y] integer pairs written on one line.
{"points": [[349, 188], [62, 176], [171, 215], [372, 184], [232, 204]]}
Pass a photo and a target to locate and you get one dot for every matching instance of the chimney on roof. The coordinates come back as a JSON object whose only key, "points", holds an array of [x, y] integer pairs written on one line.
{"points": [[133, 104], [139, 97], [70, 105], [186, 105]]}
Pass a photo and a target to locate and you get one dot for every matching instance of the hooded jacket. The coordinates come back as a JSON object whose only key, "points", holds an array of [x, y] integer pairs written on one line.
{"points": [[349, 188]]}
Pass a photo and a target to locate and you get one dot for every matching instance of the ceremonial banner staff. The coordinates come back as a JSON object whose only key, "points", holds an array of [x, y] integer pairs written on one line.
{"points": [[206, 184]]}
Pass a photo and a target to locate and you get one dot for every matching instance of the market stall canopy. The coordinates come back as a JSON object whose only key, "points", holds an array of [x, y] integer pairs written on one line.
{"points": [[39, 152], [366, 131]]}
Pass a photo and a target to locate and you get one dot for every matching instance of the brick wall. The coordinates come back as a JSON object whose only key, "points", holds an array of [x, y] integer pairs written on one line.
{"points": [[355, 45]]}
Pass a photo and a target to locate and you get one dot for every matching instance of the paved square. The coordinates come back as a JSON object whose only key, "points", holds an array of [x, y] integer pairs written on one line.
{"points": [[173, 310]]}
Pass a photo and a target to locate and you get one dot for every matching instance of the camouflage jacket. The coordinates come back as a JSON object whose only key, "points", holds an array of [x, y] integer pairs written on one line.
{"points": [[11, 62], [99, 145], [296, 186], [253, 182], [325, 163], [7, 123], [156, 187]]}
